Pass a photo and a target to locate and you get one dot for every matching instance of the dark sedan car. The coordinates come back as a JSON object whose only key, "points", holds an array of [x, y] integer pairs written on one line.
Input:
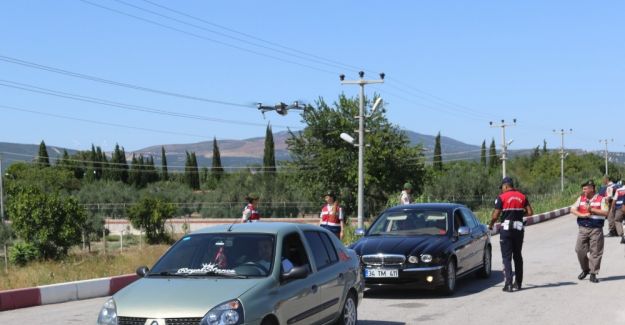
{"points": [[424, 246]]}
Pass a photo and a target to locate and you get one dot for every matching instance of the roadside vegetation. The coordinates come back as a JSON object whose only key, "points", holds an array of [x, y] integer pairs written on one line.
{"points": [[56, 208]]}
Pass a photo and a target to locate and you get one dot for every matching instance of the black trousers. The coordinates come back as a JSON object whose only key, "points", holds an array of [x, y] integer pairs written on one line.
{"points": [[511, 242]]}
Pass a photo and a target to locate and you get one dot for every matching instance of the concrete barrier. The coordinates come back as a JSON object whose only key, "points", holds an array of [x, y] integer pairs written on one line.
{"points": [[63, 292]]}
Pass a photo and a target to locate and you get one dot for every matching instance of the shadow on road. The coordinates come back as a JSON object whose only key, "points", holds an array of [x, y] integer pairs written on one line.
{"points": [[379, 322], [464, 287], [612, 278], [548, 285]]}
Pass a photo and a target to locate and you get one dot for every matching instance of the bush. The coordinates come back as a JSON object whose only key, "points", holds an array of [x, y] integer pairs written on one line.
{"points": [[22, 253]]}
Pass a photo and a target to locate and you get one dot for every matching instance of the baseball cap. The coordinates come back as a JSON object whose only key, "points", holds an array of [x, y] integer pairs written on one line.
{"points": [[590, 182], [329, 193], [507, 180]]}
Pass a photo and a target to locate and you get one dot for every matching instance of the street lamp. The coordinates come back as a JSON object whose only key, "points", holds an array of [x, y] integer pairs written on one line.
{"points": [[361, 139]]}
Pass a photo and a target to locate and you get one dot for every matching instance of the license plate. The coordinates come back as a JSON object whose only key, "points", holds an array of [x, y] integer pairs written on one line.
{"points": [[381, 273]]}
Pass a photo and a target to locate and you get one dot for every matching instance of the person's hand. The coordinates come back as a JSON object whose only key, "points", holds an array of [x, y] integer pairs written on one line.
{"points": [[341, 234]]}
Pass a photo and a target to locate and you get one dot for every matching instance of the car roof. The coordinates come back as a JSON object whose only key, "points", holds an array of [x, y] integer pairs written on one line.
{"points": [[427, 206], [257, 227]]}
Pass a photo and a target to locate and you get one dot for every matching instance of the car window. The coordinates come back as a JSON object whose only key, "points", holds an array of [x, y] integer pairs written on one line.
{"points": [[468, 218], [321, 253], [410, 222], [293, 250], [219, 254], [327, 242], [458, 220]]}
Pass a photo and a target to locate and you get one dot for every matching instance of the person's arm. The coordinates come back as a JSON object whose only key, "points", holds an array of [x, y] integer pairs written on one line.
{"points": [[576, 212], [528, 210], [246, 215], [341, 221], [602, 211], [493, 218]]}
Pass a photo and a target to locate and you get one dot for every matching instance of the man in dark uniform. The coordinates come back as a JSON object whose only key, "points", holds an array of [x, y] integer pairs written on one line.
{"points": [[510, 207]]}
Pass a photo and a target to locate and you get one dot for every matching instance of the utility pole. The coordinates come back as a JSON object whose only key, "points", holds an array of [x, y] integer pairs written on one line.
{"points": [[605, 141], [361, 140], [504, 144], [6, 258], [562, 133]]}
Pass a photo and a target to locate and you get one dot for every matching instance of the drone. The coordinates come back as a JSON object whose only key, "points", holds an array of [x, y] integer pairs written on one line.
{"points": [[280, 108]]}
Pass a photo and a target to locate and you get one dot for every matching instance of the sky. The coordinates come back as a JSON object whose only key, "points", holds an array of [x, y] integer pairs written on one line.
{"points": [[148, 72]]}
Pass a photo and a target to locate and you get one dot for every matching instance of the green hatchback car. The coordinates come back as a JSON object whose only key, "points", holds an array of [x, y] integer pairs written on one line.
{"points": [[254, 273]]}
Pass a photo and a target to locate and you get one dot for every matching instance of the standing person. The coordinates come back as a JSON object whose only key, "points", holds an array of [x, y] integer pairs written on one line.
{"points": [[510, 207], [617, 204], [332, 215], [250, 214], [591, 210], [406, 194], [610, 196]]}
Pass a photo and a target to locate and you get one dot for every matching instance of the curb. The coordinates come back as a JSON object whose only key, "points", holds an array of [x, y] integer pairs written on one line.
{"points": [[537, 218], [78, 290], [63, 292]]}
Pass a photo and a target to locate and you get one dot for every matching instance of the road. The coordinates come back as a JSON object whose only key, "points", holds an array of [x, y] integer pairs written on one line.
{"points": [[552, 293]]}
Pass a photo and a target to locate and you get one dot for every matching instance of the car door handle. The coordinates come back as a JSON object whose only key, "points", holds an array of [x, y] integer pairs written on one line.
{"points": [[314, 288]]}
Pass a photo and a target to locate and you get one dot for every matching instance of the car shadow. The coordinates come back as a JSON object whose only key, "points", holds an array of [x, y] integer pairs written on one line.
{"points": [[464, 287]]}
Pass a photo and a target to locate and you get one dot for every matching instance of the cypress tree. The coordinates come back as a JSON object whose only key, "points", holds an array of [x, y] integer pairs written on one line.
{"points": [[195, 173], [492, 156], [269, 157], [483, 154], [187, 170], [124, 175], [217, 170], [134, 174], [437, 160], [119, 166], [164, 176], [65, 163], [42, 157], [544, 146]]}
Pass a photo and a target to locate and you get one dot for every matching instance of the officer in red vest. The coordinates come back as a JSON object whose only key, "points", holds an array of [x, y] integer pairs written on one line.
{"points": [[332, 215], [591, 210], [510, 207], [250, 214]]}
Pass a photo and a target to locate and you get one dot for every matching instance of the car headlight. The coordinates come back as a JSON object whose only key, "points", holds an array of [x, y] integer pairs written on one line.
{"points": [[426, 258], [108, 314], [228, 313], [413, 259]]}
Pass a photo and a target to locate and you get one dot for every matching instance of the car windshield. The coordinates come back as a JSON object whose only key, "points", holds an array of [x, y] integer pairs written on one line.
{"points": [[224, 255], [410, 222]]}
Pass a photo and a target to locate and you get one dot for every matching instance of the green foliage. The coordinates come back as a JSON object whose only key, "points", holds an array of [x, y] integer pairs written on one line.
{"points": [[6, 233], [269, 156], [217, 170], [164, 174], [150, 214], [325, 162], [50, 222], [42, 157], [191, 173], [493, 160], [54, 179], [483, 154], [119, 165], [437, 160], [21, 253]]}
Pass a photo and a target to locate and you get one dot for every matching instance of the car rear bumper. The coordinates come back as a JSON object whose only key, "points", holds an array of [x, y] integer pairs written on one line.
{"points": [[416, 277]]}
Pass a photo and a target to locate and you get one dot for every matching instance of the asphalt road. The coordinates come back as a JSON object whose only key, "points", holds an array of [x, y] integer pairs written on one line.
{"points": [[551, 295]]}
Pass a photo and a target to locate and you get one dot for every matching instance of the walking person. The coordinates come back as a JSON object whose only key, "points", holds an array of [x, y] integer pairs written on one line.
{"points": [[510, 207], [332, 215], [591, 210], [406, 195], [250, 214], [619, 213]]}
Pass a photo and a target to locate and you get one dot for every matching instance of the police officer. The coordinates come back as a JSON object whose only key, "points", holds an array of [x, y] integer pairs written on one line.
{"points": [[510, 207], [332, 215], [250, 214], [591, 210]]}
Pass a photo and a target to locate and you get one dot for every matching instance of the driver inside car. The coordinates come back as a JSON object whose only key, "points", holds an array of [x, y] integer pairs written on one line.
{"points": [[265, 249]]}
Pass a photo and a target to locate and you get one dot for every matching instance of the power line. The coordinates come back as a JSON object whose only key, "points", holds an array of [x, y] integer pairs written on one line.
{"points": [[114, 83], [99, 101]]}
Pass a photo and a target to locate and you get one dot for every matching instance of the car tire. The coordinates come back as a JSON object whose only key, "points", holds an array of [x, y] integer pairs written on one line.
{"points": [[449, 285], [269, 321], [349, 312], [487, 262]]}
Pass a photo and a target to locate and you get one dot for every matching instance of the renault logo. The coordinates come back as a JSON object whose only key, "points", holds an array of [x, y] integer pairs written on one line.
{"points": [[155, 322]]}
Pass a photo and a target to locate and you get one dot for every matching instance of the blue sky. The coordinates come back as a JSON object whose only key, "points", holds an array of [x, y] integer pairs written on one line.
{"points": [[451, 66]]}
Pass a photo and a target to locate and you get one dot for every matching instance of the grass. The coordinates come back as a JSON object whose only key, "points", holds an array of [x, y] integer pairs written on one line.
{"points": [[81, 266]]}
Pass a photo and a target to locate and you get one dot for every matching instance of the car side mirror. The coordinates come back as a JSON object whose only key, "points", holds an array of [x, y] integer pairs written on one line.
{"points": [[297, 272], [463, 231], [142, 271], [359, 232]]}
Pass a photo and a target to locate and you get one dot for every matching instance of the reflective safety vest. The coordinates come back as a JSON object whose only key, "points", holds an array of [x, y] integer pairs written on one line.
{"points": [[250, 214], [331, 216], [512, 204], [620, 197], [593, 221]]}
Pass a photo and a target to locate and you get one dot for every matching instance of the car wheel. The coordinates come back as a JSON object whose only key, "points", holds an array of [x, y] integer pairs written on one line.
{"points": [[487, 261], [450, 278], [349, 314], [269, 321]]}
